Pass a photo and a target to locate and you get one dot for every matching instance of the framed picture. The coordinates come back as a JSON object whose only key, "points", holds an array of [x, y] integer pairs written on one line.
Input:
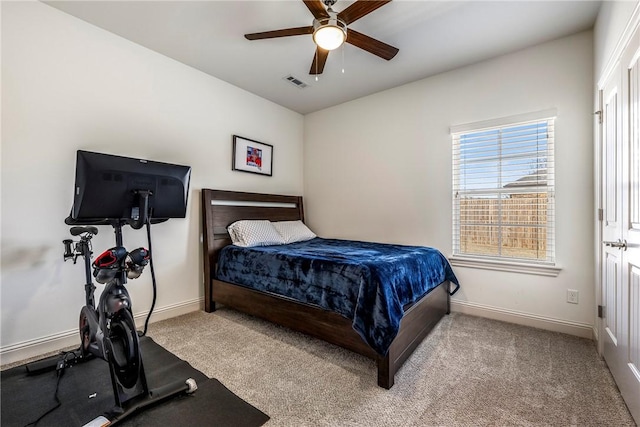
{"points": [[252, 156]]}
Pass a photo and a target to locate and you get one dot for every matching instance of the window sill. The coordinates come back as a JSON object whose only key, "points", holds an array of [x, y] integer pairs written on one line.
{"points": [[501, 265]]}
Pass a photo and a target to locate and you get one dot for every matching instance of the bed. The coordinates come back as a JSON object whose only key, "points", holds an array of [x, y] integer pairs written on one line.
{"points": [[222, 208]]}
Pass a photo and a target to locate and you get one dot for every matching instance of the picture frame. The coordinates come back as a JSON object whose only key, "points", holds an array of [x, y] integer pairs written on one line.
{"points": [[252, 156]]}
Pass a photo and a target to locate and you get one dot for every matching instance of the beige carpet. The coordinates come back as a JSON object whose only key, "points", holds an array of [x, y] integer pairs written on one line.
{"points": [[469, 372]]}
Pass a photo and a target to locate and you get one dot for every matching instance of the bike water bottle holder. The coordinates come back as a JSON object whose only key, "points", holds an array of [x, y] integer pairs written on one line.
{"points": [[109, 264]]}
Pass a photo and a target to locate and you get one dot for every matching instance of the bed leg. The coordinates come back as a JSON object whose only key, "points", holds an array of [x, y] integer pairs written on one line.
{"points": [[385, 377], [209, 306]]}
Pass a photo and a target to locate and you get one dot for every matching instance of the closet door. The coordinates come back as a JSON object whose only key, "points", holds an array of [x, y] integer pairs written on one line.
{"points": [[612, 292], [621, 224], [629, 382]]}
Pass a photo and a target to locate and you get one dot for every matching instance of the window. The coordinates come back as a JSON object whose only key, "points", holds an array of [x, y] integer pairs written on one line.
{"points": [[503, 190]]}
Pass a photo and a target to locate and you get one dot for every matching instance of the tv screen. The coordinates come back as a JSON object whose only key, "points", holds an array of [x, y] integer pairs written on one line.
{"points": [[109, 187]]}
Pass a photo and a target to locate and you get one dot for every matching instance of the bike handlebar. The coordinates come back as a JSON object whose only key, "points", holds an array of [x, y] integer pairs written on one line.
{"points": [[68, 252]]}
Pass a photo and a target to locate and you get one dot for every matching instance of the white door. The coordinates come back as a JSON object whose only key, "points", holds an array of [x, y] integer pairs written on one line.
{"points": [[621, 224], [613, 335]]}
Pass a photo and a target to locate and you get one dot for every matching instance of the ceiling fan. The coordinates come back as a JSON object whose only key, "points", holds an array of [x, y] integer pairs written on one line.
{"points": [[330, 30]]}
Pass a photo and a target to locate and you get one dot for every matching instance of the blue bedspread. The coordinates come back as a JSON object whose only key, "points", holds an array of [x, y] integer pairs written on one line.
{"points": [[369, 283]]}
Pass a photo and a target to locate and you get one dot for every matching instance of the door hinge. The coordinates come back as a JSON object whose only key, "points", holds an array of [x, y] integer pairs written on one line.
{"points": [[599, 114], [600, 214], [600, 311]]}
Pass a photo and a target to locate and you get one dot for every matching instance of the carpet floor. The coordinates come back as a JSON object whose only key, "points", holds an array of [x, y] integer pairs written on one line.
{"points": [[470, 371]]}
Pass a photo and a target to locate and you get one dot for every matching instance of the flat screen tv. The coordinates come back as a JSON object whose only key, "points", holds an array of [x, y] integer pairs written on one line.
{"points": [[114, 188]]}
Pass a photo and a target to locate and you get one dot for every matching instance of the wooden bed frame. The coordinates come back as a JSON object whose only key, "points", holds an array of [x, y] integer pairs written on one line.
{"points": [[221, 208]]}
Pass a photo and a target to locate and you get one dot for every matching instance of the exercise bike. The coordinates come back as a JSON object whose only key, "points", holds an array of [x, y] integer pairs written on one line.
{"points": [[108, 330]]}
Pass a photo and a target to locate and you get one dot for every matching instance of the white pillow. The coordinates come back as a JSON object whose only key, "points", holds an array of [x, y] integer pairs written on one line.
{"points": [[293, 231], [247, 233]]}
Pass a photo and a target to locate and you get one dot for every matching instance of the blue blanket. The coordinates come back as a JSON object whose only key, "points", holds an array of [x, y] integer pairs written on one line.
{"points": [[369, 283]]}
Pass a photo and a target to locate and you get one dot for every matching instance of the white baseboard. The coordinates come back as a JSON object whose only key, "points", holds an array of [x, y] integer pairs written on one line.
{"points": [[55, 342], [579, 329]]}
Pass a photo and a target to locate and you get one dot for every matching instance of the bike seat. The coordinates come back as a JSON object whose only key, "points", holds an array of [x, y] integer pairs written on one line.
{"points": [[76, 231]]}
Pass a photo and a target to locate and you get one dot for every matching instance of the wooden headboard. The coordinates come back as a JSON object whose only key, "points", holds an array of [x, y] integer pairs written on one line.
{"points": [[221, 208]]}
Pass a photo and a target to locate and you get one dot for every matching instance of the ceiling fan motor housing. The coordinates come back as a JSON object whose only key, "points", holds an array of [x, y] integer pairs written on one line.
{"points": [[331, 22]]}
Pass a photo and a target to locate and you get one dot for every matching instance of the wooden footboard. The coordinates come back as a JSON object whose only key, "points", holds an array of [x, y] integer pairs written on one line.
{"points": [[416, 324], [221, 208]]}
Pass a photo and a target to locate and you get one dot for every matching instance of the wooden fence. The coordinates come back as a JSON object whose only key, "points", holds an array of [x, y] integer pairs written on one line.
{"points": [[514, 227]]}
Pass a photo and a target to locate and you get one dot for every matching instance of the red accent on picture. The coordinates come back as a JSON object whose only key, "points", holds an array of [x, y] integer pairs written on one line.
{"points": [[254, 157]]}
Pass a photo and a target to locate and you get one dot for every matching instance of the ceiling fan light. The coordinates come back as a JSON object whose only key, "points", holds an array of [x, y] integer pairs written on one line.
{"points": [[329, 33]]}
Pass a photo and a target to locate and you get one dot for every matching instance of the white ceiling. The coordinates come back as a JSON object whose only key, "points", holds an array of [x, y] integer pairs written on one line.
{"points": [[433, 37]]}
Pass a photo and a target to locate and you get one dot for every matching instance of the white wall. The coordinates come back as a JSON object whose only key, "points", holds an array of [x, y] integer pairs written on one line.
{"points": [[613, 18], [67, 85], [379, 168]]}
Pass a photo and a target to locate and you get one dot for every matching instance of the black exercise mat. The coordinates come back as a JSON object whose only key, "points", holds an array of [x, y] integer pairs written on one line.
{"points": [[25, 397]]}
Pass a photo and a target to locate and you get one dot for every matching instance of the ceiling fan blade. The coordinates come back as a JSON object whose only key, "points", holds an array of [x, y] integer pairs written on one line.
{"points": [[319, 59], [317, 9], [371, 45], [359, 9], [298, 31]]}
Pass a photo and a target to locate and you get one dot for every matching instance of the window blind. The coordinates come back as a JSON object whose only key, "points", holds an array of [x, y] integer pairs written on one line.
{"points": [[503, 191]]}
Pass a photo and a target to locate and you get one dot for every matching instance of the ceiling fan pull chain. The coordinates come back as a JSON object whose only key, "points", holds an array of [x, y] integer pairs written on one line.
{"points": [[316, 64], [342, 48]]}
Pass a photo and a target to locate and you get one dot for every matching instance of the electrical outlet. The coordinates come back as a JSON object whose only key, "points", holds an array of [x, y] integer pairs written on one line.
{"points": [[572, 296]]}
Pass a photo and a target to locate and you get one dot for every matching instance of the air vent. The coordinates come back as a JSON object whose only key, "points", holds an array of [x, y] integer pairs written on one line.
{"points": [[296, 81]]}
